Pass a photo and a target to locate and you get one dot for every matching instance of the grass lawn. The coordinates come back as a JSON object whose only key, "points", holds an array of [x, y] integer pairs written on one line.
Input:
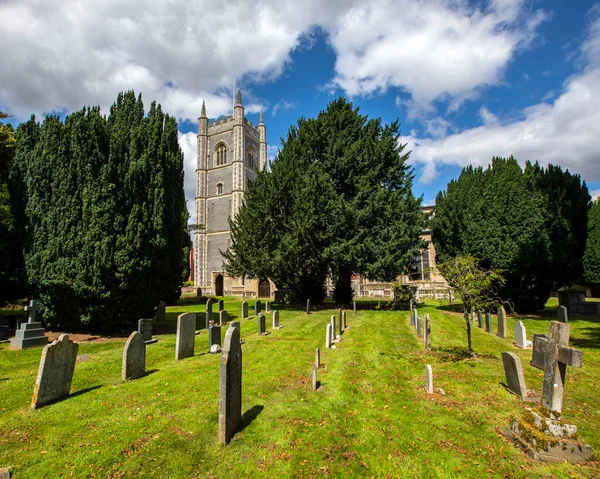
{"points": [[370, 418]]}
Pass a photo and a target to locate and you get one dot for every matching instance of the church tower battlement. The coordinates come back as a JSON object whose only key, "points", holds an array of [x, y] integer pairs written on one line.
{"points": [[230, 152]]}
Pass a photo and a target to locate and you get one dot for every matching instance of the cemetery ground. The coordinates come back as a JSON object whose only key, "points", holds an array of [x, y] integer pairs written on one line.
{"points": [[371, 416]]}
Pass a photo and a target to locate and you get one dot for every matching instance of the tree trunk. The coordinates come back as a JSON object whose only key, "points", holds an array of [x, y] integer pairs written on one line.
{"points": [[342, 293]]}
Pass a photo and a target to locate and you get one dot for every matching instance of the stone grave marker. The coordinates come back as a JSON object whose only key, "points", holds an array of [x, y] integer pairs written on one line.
{"points": [[223, 317], [537, 357], [134, 357], [256, 308], [561, 313], [333, 331], [214, 338], [308, 306], [480, 319], [267, 307], [328, 343], [161, 312], [221, 305], [515, 381], [198, 293], [276, 324], [55, 373], [262, 325], [354, 307], [412, 317], [520, 335], [186, 335], [315, 383], [30, 334], [230, 384], [418, 327], [209, 305], [428, 379], [339, 325], [426, 332], [488, 322], [318, 357], [245, 310], [145, 329], [501, 322], [344, 322]]}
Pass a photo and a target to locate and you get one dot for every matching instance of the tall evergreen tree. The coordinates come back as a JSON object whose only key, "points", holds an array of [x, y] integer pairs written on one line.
{"points": [[591, 258]]}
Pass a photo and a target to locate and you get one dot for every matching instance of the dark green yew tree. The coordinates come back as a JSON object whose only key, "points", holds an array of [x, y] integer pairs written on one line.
{"points": [[105, 216], [591, 258], [337, 201]]}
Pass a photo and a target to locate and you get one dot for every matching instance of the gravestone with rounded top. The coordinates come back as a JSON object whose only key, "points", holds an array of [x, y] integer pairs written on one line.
{"points": [[562, 315], [267, 307], [221, 305], [520, 335], [256, 308], [134, 357], [245, 310], [308, 306], [480, 319], [501, 322], [230, 384], [186, 335], [276, 323], [223, 317], [488, 322], [262, 325]]}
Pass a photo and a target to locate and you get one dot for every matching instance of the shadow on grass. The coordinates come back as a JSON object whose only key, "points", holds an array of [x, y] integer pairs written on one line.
{"points": [[591, 341], [149, 372], [456, 354], [249, 416], [83, 391], [455, 308]]}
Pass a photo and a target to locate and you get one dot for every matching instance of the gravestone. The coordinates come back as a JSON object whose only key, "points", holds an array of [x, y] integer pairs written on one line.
{"points": [[223, 317], [354, 307], [328, 342], [537, 357], [410, 305], [134, 357], [31, 333], [256, 308], [488, 322], [209, 319], [267, 307], [413, 315], [145, 329], [221, 305], [345, 325], [418, 328], [333, 331], [262, 325], [209, 305], [340, 326], [245, 310], [318, 357], [276, 324], [426, 332], [315, 383], [161, 312], [308, 306], [561, 313], [214, 337], [501, 322], [198, 293], [515, 381], [520, 335], [230, 384], [428, 379], [186, 335], [55, 373], [480, 319]]}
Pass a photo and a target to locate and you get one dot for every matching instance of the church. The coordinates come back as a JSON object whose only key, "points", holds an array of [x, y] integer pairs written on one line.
{"points": [[230, 152]]}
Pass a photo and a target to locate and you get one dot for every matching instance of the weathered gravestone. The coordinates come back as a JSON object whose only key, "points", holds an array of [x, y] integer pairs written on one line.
{"points": [[333, 332], [328, 343], [31, 333], [214, 338], [221, 305], [561, 313], [161, 311], [501, 322], [418, 326], [545, 436], [318, 357], [276, 324], [267, 307], [537, 357], [198, 293], [230, 384], [209, 312], [308, 306], [256, 308], [186, 335], [354, 307], [412, 316], [145, 329], [520, 335], [515, 381], [480, 319], [428, 379], [245, 310], [55, 373], [262, 325], [426, 332], [134, 357], [488, 322], [223, 317], [340, 325], [344, 325]]}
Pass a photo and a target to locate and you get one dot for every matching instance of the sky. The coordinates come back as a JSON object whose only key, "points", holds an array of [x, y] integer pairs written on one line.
{"points": [[467, 80]]}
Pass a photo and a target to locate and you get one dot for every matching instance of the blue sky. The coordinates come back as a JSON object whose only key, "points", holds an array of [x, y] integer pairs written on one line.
{"points": [[467, 79]]}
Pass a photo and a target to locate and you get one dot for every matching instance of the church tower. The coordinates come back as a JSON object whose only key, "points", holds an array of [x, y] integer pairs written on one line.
{"points": [[230, 152]]}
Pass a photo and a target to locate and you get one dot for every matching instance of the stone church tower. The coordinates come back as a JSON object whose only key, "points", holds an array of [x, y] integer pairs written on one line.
{"points": [[230, 152]]}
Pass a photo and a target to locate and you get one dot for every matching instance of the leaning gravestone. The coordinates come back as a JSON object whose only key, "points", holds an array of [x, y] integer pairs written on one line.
{"points": [[537, 357], [520, 335], [515, 381], [221, 305], [561, 313], [223, 317], [161, 312], [134, 357], [214, 337], [276, 324], [186, 335], [245, 310], [145, 329], [31, 333], [488, 322], [55, 373], [501, 322], [256, 308], [230, 384]]}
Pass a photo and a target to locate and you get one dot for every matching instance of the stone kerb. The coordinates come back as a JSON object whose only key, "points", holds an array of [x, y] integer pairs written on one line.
{"points": [[55, 373], [230, 384], [134, 357], [186, 335]]}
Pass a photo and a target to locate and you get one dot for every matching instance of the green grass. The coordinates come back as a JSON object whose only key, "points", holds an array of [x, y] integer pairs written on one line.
{"points": [[371, 417]]}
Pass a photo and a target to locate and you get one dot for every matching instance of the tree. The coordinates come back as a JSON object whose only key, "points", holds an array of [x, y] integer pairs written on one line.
{"points": [[337, 201], [591, 258], [514, 221], [476, 287], [105, 217]]}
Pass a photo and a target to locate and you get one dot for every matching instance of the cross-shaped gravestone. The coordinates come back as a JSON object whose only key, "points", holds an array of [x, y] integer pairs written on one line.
{"points": [[31, 311], [558, 356]]}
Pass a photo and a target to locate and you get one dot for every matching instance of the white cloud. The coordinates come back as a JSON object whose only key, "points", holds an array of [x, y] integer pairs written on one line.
{"points": [[595, 194], [564, 132], [283, 105], [487, 117], [189, 145]]}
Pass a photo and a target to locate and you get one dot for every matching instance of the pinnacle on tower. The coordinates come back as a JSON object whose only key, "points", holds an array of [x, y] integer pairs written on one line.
{"points": [[203, 112], [239, 97], [261, 118]]}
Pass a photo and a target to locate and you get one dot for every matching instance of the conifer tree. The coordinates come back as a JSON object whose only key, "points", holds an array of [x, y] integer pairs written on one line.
{"points": [[591, 258]]}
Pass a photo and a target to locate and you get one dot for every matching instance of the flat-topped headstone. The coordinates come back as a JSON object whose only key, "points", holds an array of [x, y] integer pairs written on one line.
{"points": [[30, 334], [230, 384], [145, 329], [262, 325], [520, 335], [134, 357], [501, 322], [328, 342], [426, 331], [245, 310], [161, 311], [354, 307], [537, 355], [333, 331], [214, 336], [55, 373], [344, 321], [418, 326], [276, 324], [562, 315], [186, 335], [308, 306], [318, 357], [221, 305], [223, 317], [339, 325], [480, 319], [428, 379], [488, 322], [267, 307], [515, 381], [256, 308]]}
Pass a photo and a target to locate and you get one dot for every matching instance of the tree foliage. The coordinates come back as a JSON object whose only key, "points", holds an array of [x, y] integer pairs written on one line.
{"points": [[527, 223], [337, 201], [591, 258], [104, 213], [475, 286]]}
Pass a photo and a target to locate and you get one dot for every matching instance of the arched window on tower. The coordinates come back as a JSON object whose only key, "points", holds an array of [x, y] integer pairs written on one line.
{"points": [[251, 157], [220, 189], [220, 154]]}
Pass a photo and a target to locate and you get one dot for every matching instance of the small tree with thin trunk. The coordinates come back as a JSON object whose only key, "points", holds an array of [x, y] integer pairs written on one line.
{"points": [[475, 286]]}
